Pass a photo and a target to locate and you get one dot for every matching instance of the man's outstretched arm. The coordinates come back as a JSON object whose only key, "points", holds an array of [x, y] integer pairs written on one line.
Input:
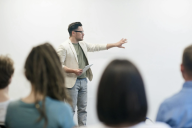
{"points": [[118, 44]]}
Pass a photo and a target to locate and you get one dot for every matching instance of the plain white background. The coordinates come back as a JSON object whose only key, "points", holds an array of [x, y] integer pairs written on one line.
{"points": [[157, 32]]}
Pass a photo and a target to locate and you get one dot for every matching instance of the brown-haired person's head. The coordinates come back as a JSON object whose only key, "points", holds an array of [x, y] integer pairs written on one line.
{"points": [[6, 71], [44, 71], [186, 66], [121, 98], [73, 26], [76, 32]]}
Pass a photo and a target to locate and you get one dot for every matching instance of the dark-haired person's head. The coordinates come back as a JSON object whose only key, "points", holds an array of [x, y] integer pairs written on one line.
{"points": [[44, 71], [73, 26], [6, 71], [121, 98], [186, 66], [76, 31]]}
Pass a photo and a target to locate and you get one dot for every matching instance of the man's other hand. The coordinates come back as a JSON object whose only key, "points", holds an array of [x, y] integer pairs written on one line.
{"points": [[78, 72]]}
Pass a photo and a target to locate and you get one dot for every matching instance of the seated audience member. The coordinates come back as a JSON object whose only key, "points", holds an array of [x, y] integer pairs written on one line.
{"points": [[121, 98], [177, 110], [45, 106], [6, 72]]}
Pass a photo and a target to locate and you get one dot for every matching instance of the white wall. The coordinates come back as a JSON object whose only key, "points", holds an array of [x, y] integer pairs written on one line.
{"points": [[157, 32]]}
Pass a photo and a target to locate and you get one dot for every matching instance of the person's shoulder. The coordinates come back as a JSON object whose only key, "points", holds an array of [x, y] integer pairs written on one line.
{"points": [[140, 125], [154, 125], [172, 100], [159, 125], [13, 105], [64, 44], [4, 103]]}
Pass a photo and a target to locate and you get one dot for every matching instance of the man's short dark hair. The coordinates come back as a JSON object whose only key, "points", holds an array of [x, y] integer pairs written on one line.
{"points": [[121, 95], [6, 71], [73, 26], [187, 59]]}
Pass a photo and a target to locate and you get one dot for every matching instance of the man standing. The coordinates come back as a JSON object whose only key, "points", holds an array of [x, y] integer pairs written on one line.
{"points": [[177, 110], [73, 55]]}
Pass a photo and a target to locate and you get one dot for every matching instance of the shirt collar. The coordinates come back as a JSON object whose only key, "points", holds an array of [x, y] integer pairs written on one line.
{"points": [[187, 84]]}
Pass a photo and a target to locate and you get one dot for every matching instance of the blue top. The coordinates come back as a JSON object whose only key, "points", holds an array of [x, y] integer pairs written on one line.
{"points": [[24, 115], [177, 110]]}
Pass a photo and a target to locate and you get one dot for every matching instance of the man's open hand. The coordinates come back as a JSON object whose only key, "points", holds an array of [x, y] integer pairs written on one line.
{"points": [[121, 42]]}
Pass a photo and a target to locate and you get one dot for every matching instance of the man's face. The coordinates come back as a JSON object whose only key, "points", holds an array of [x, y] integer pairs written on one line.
{"points": [[79, 34]]}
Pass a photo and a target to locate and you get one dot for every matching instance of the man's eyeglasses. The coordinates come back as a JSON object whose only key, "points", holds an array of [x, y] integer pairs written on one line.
{"points": [[82, 32]]}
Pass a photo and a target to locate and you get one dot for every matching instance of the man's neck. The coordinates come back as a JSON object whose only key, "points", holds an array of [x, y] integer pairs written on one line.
{"points": [[73, 40], [188, 80], [4, 94], [187, 77]]}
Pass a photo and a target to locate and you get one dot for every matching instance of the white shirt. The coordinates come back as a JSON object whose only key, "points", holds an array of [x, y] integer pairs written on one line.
{"points": [[3, 110], [140, 125]]}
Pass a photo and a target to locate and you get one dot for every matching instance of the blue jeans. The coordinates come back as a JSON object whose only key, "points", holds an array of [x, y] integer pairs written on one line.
{"points": [[79, 98]]}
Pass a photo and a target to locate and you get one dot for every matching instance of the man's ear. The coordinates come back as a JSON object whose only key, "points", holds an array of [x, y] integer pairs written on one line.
{"points": [[72, 33], [182, 68]]}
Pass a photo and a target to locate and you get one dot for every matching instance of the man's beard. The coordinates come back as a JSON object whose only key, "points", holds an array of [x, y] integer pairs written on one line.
{"points": [[79, 39]]}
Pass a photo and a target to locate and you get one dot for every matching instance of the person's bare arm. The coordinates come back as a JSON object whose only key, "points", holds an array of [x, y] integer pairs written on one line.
{"points": [[70, 70], [118, 44]]}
